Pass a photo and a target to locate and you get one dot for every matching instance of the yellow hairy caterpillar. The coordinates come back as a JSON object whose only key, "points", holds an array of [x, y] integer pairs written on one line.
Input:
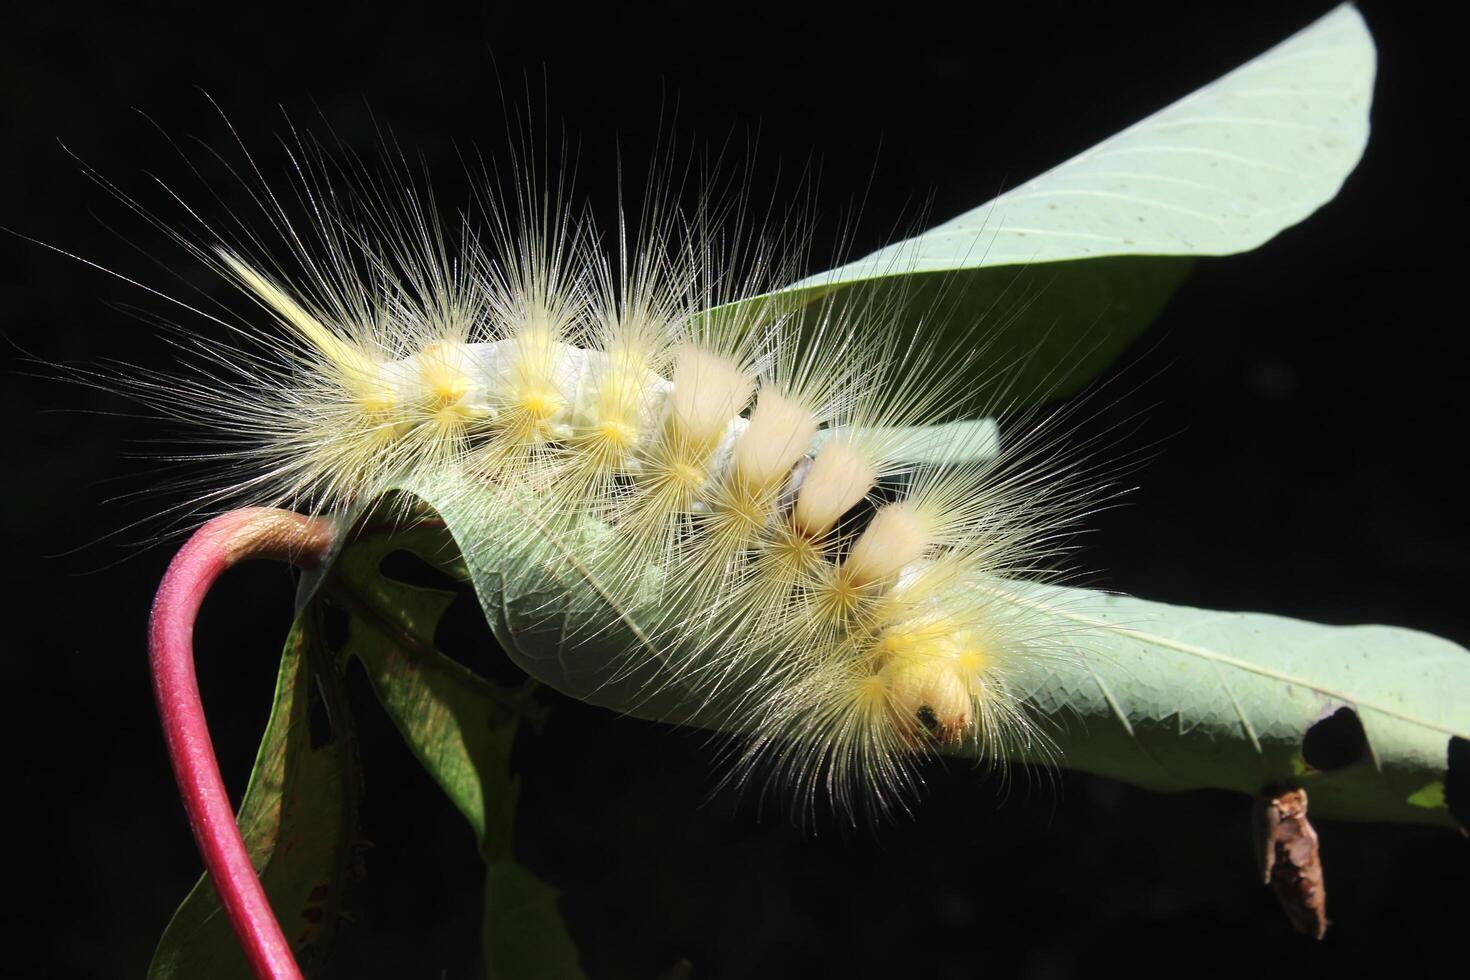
{"points": [[736, 466]]}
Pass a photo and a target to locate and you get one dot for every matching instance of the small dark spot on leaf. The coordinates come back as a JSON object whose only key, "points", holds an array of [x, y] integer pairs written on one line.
{"points": [[1457, 781], [1335, 742]]}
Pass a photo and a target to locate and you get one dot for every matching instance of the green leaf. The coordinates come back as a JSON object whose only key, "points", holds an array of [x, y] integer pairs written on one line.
{"points": [[297, 818], [457, 723], [1174, 698], [461, 727], [523, 934], [1223, 170], [947, 444], [1059, 274], [558, 618], [1021, 334], [1168, 698]]}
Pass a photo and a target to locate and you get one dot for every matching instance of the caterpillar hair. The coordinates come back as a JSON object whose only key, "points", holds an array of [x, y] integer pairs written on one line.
{"points": [[731, 462]]}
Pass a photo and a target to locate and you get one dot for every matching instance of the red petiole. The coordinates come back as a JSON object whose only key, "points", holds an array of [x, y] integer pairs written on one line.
{"points": [[254, 532]]}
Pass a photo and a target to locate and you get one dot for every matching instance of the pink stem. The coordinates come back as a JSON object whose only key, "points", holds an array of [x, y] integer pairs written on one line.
{"points": [[252, 532]]}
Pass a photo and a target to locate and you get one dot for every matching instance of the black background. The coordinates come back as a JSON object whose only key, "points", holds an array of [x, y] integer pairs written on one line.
{"points": [[1307, 401]]}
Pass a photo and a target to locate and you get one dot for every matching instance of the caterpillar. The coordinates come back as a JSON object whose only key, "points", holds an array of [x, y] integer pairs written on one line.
{"points": [[729, 470]]}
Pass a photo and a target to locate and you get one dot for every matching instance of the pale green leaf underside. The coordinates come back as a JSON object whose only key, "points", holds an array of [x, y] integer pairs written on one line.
{"points": [[1171, 698], [960, 443], [1056, 277], [1221, 171], [1165, 697]]}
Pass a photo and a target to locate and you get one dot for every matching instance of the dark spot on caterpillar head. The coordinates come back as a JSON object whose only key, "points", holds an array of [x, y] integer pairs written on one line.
{"points": [[928, 719], [1335, 742]]}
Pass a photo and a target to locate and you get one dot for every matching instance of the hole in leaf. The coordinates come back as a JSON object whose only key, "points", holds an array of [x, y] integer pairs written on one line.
{"points": [[334, 627], [1457, 780], [408, 568], [1335, 742], [461, 633]]}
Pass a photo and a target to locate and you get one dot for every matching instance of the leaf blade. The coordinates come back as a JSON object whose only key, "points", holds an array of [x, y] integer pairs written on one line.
{"points": [[1173, 698], [1230, 166], [1058, 275], [1144, 695], [461, 727]]}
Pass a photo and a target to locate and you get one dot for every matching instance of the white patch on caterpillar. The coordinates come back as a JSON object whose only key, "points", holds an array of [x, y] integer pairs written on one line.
{"points": [[841, 475]]}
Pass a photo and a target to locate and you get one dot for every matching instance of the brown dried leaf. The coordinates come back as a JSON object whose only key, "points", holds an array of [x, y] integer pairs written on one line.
{"points": [[1291, 862]]}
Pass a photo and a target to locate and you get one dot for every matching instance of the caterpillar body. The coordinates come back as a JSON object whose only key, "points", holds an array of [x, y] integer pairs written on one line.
{"points": [[703, 483]]}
